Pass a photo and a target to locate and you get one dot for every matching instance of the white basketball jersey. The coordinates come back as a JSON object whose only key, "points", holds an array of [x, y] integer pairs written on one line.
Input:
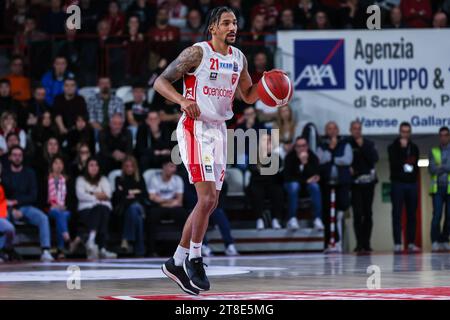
{"points": [[213, 84]]}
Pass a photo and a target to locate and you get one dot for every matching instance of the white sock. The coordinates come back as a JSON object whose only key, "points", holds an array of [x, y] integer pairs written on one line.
{"points": [[179, 255], [92, 235], [195, 251]]}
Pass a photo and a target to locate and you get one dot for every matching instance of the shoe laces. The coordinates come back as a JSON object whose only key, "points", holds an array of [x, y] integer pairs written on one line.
{"points": [[199, 268]]}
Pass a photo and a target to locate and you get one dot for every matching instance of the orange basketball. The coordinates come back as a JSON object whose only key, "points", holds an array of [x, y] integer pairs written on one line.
{"points": [[275, 89]]}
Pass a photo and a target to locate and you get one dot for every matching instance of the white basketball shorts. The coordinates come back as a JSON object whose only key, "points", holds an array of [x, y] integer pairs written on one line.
{"points": [[203, 149]]}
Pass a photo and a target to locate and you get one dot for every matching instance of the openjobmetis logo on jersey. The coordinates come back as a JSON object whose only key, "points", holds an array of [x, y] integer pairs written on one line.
{"points": [[217, 92], [319, 64]]}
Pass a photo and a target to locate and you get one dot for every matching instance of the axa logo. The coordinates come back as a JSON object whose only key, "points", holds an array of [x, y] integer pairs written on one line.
{"points": [[319, 64]]}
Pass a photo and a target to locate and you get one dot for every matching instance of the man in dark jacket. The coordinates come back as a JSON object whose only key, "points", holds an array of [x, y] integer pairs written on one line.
{"points": [[403, 157], [152, 142], [365, 157], [336, 156], [115, 144], [301, 170], [20, 186]]}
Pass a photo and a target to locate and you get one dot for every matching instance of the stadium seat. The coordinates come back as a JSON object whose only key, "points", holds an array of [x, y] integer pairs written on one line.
{"points": [[87, 92], [112, 178], [235, 180], [148, 174], [125, 93]]}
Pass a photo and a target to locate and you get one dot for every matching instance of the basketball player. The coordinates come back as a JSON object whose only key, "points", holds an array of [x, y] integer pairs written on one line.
{"points": [[212, 73]]}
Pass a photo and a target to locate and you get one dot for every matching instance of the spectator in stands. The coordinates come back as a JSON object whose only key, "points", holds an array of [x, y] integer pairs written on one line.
{"points": [[44, 130], [15, 15], [144, 11], [78, 166], [287, 20], [115, 18], [57, 192], [335, 156], [115, 144], [270, 11], [177, 12], [364, 178], [304, 12], [219, 218], [7, 231], [27, 37], [439, 168], [20, 85], [81, 132], [20, 186], [339, 12], [8, 124], [204, 6], [12, 140], [137, 110], [193, 31], [251, 127], [266, 187], [103, 105], [301, 170], [130, 196], [166, 194], [236, 6], [440, 20], [416, 13], [286, 125], [321, 21], [55, 20], [169, 112], [163, 37], [7, 103], [255, 37], [36, 107], [94, 209], [53, 80], [70, 47], [395, 19], [152, 142], [89, 17], [136, 48], [41, 165], [260, 65], [403, 157], [68, 106]]}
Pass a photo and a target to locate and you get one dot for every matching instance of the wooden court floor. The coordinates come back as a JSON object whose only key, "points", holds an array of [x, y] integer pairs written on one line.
{"points": [[287, 276]]}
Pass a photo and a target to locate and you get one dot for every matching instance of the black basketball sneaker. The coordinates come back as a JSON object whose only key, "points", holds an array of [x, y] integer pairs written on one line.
{"points": [[177, 274], [196, 273]]}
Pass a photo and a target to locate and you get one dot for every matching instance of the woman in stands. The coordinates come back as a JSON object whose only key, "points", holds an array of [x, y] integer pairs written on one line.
{"points": [[44, 130], [130, 196], [8, 123], [264, 187], [285, 122], [79, 164], [57, 192], [94, 205]]}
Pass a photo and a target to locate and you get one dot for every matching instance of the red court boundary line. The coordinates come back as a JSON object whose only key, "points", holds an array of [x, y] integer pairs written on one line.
{"points": [[332, 294]]}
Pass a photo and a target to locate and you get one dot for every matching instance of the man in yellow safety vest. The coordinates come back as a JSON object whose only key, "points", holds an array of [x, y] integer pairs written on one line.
{"points": [[439, 169]]}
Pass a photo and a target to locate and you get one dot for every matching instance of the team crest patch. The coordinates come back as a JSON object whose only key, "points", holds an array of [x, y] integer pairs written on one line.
{"points": [[235, 67], [213, 76], [208, 169], [234, 78]]}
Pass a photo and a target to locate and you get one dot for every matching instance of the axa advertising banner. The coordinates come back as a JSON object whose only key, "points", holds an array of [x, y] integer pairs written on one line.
{"points": [[380, 77]]}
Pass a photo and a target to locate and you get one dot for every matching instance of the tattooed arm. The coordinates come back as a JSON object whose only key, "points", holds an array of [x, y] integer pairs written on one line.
{"points": [[247, 90], [187, 61]]}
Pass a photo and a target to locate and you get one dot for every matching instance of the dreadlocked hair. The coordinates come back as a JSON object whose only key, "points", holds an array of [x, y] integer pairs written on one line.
{"points": [[214, 18]]}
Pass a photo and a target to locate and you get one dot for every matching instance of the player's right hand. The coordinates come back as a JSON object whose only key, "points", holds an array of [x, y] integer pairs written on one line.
{"points": [[190, 108]]}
